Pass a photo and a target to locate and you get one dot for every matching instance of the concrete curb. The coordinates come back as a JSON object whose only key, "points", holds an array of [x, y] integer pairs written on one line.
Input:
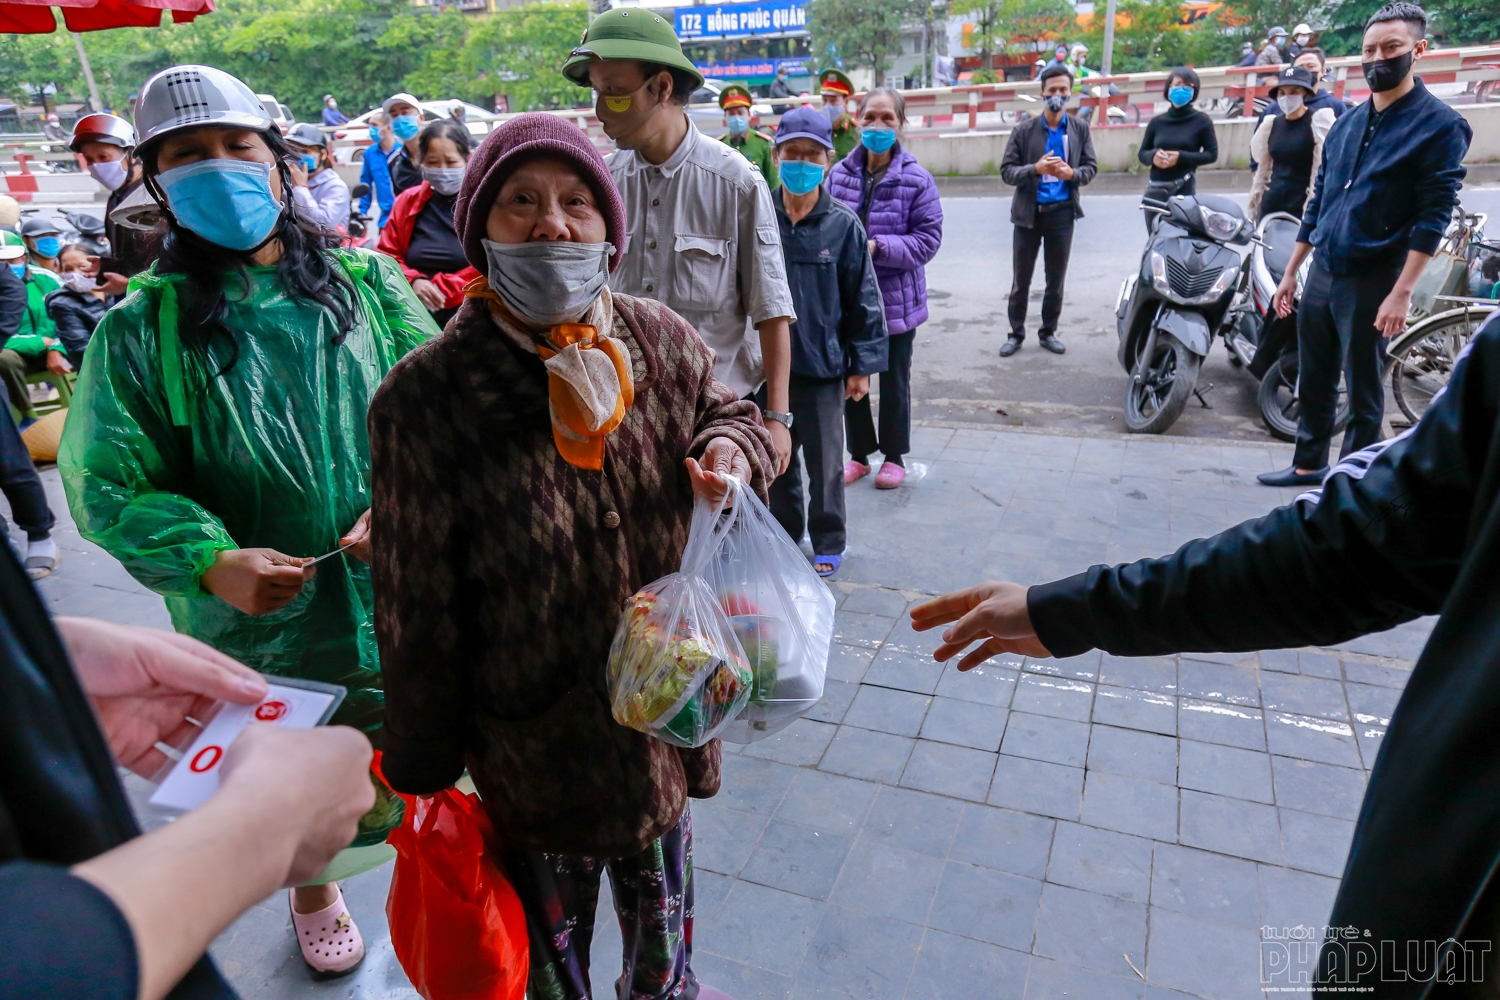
{"points": [[1123, 183]]}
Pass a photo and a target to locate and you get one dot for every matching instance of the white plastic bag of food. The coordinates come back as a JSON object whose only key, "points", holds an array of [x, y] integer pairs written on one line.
{"points": [[781, 612]]}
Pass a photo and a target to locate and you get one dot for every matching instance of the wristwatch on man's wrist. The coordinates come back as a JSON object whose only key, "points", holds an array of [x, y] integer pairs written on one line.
{"points": [[779, 417]]}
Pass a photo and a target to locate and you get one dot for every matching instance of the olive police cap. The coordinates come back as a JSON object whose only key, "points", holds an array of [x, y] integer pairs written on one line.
{"points": [[833, 81], [628, 33], [734, 96]]}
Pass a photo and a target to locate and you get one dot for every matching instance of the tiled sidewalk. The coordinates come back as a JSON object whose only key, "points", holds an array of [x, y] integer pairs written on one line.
{"points": [[1093, 827]]}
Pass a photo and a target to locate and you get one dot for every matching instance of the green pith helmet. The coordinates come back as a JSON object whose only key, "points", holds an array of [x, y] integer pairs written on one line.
{"points": [[734, 95], [833, 81], [628, 33]]}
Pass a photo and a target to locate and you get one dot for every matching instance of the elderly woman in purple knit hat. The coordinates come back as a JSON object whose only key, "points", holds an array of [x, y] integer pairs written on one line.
{"points": [[532, 469]]}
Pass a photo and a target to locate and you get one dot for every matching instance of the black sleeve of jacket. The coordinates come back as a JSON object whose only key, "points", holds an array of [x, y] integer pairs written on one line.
{"points": [[1013, 165], [1208, 138], [862, 320], [1088, 164], [73, 328], [1148, 144], [12, 303], [1376, 550]]}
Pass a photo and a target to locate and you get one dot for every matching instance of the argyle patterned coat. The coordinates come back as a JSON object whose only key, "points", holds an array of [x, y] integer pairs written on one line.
{"points": [[500, 573]]}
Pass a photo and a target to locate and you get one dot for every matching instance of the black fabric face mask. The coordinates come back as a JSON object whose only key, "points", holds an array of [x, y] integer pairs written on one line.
{"points": [[1387, 74]]}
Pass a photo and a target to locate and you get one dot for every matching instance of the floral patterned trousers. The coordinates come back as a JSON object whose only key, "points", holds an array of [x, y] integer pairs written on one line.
{"points": [[653, 897]]}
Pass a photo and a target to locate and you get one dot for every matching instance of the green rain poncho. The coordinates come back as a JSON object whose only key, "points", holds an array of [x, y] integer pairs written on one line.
{"points": [[165, 466]]}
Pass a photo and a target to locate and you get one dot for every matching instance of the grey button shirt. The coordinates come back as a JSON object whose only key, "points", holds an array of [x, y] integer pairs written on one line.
{"points": [[702, 238]]}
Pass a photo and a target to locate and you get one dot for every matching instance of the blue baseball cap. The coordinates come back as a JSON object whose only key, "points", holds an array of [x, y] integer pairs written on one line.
{"points": [[805, 123]]}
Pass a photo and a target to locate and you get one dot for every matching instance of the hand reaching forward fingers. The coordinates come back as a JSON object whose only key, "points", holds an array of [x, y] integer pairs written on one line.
{"points": [[992, 611], [721, 458]]}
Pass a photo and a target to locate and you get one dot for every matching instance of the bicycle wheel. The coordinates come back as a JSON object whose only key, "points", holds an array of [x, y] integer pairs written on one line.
{"points": [[1422, 357]]}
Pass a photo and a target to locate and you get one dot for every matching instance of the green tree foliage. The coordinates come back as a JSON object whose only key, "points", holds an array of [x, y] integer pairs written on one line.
{"points": [[1014, 26], [1149, 34], [361, 51], [866, 34]]}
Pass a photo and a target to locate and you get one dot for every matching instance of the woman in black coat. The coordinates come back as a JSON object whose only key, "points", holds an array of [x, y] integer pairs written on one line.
{"points": [[77, 307], [1177, 143]]}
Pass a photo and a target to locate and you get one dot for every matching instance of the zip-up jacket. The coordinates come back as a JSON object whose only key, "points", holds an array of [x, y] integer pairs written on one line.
{"points": [[1408, 527], [840, 324], [1377, 199]]}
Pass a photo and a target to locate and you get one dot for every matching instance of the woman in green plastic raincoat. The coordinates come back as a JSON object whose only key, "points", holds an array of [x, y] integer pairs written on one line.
{"points": [[217, 440]]}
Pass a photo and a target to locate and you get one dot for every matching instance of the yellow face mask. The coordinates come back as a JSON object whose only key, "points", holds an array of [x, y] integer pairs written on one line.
{"points": [[618, 104], [623, 114]]}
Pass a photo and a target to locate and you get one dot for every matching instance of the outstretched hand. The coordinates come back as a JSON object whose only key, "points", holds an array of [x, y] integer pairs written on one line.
{"points": [[721, 458], [993, 611]]}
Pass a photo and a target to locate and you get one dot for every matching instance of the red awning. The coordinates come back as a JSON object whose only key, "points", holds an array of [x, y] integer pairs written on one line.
{"points": [[23, 17]]}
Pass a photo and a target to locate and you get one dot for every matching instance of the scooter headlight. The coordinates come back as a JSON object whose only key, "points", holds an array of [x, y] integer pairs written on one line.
{"points": [[1219, 225], [1159, 274]]}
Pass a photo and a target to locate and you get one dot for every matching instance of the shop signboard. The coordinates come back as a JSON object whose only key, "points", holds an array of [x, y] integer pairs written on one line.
{"points": [[761, 19]]}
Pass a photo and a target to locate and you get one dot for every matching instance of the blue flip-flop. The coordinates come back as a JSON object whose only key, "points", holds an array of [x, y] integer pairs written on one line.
{"points": [[835, 560]]}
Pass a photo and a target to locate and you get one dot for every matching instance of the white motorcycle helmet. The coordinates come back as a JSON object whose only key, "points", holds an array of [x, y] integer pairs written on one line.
{"points": [[185, 97], [109, 129]]}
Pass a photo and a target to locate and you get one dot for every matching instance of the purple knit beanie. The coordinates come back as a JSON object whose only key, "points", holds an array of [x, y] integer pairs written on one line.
{"points": [[506, 147]]}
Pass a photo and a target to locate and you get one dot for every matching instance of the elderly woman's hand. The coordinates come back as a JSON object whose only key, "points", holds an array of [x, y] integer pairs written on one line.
{"points": [[721, 458]]}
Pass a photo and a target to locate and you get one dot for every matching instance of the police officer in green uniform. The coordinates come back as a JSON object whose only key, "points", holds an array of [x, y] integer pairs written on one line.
{"points": [[754, 145], [838, 90]]}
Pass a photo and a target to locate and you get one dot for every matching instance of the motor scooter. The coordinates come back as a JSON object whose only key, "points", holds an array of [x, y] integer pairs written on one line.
{"points": [[356, 230], [1167, 313]]}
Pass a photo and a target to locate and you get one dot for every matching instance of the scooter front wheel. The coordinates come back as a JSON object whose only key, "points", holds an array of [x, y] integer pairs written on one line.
{"points": [[1160, 386]]}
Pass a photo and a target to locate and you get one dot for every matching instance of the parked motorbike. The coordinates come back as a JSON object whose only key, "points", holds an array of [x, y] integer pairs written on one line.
{"points": [[1167, 313], [1264, 343]]}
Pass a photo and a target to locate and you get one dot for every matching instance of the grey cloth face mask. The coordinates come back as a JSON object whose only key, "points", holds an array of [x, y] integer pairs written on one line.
{"points": [[444, 180], [550, 281]]}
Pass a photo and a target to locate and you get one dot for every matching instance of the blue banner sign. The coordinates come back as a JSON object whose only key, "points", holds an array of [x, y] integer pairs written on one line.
{"points": [[748, 68], [765, 18]]}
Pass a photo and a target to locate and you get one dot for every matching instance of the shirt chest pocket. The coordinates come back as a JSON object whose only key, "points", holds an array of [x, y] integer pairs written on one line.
{"points": [[703, 277]]}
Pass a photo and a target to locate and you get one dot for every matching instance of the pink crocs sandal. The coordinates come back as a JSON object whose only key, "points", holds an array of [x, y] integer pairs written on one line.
{"points": [[890, 476], [331, 944], [855, 471]]}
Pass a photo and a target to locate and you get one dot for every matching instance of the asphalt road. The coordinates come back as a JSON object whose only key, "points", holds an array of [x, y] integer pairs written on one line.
{"points": [[959, 376]]}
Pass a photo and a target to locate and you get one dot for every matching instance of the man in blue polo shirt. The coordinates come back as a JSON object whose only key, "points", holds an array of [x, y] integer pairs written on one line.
{"points": [[1390, 175], [1047, 159]]}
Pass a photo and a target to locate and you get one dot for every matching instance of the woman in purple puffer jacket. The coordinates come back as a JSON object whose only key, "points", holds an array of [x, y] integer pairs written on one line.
{"points": [[898, 203]]}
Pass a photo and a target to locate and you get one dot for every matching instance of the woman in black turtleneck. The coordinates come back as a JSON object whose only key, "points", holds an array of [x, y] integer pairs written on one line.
{"points": [[1179, 142]]}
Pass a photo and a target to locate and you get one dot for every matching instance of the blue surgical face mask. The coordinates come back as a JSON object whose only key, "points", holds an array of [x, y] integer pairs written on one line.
{"points": [[374, 133], [800, 177], [47, 246], [19, 270], [738, 124], [227, 202], [1180, 96], [406, 127], [877, 139], [310, 162]]}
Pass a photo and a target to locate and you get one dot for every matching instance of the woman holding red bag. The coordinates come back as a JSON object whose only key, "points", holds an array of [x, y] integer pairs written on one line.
{"points": [[533, 468]]}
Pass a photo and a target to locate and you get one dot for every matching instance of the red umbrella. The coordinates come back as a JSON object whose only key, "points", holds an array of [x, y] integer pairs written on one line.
{"points": [[32, 17]]}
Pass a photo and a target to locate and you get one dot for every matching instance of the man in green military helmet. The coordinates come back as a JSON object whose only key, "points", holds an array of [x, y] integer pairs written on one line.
{"points": [[754, 145], [838, 93]]}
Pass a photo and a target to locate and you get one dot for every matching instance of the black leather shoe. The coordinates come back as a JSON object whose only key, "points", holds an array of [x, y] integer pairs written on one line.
{"points": [[1291, 477], [1053, 344], [1012, 345]]}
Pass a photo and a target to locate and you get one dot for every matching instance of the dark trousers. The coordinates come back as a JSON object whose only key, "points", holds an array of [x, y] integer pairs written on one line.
{"points": [[1055, 228], [818, 437], [13, 371], [894, 439], [20, 483], [1336, 332]]}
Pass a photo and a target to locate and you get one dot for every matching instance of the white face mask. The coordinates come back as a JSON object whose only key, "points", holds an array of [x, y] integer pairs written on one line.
{"points": [[78, 281], [110, 173], [444, 180], [550, 281], [1289, 103]]}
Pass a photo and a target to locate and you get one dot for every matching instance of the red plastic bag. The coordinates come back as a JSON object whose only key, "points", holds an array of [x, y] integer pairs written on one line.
{"points": [[456, 923]]}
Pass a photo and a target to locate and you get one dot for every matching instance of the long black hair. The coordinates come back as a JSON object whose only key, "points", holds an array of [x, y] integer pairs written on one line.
{"points": [[304, 270]]}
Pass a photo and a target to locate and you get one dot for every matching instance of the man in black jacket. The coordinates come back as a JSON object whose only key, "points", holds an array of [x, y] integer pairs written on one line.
{"points": [[1389, 177], [1407, 527], [838, 338], [1047, 160]]}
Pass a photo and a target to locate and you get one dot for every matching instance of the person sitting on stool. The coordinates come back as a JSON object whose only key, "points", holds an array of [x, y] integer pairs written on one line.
{"points": [[1047, 160], [1390, 174]]}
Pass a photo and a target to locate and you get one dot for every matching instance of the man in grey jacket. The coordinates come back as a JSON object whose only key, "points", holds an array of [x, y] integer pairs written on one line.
{"points": [[1047, 160]]}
